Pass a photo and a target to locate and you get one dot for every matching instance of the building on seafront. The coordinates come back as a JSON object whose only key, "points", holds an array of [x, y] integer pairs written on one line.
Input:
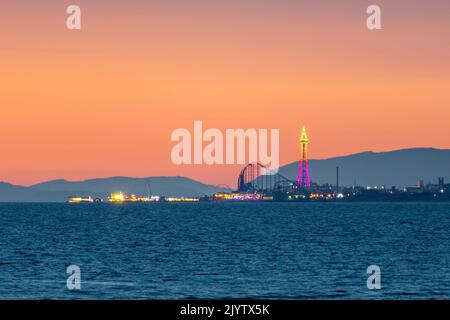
{"points": [[119, 197], [255, 184], [80, 199]]}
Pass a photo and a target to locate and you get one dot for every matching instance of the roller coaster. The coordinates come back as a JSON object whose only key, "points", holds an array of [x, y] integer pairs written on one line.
{"points": [[258, 178]]}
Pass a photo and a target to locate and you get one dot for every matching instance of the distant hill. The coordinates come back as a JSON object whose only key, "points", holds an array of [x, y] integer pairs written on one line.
{"points": [[400, 168], [12, 193], [168, 186], [60, 190]]}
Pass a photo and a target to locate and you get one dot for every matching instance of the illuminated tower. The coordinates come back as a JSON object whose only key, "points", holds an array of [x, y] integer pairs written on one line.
{"points": [[303, 171]]}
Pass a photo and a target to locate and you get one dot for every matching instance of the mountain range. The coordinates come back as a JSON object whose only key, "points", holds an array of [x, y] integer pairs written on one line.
{"points": [[400, 168], [393, 168], [60, 190]]}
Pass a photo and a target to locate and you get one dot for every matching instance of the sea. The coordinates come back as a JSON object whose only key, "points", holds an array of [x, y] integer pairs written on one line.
{"points": [[242, 250]]}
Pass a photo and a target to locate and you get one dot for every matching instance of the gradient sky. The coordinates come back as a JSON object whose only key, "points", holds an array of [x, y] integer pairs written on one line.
{"points": [[103, 101]]}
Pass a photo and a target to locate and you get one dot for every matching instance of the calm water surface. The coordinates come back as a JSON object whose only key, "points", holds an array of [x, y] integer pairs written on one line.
{"points": [[234, 250]]}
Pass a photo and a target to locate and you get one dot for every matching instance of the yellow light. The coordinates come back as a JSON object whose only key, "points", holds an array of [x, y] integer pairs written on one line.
{"points": [[303, 135], [117, 197], [80, 199], [182, 199]]}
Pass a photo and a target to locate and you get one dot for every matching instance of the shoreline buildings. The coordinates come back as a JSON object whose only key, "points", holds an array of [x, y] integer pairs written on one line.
{"points": [[254, 184], [122, 197], [80, 200]]}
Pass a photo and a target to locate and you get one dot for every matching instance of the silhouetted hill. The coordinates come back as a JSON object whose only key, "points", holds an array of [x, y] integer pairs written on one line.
{"points": [[167, 186], [12, 193], [60, 190], [400, 168]]}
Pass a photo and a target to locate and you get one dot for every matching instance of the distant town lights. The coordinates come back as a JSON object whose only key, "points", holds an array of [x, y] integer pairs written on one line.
{"points": [[117, 197]]}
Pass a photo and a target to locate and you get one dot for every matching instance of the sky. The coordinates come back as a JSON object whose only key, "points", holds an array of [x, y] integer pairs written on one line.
{"points": [[103, 101]]}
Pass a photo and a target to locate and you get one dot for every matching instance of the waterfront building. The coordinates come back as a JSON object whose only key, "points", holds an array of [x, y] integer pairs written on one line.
{"points": [[80, 199]]}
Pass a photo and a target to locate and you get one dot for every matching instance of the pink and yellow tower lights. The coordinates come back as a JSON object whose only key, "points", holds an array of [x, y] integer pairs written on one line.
{"points": [[303, 172]]}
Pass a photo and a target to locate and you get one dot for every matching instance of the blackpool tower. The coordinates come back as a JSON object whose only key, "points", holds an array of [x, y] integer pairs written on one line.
{"points": [[303, 171]]}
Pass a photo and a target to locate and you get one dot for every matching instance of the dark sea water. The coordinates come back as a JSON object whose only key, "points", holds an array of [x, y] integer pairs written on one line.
{"points": [[230, 250]]}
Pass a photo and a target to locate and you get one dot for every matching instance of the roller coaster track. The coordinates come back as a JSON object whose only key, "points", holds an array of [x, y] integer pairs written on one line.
{"points": [[256, 177]]}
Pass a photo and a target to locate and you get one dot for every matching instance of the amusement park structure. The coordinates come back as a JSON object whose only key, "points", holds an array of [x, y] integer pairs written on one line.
{"points": [[256, 177], [303, 180]]}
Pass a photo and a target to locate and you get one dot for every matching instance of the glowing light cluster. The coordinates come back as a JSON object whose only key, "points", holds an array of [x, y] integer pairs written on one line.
{"points": [[182, 199], [122, 197], [80, 199], [117, 197], [237, 196], [321, 196]]}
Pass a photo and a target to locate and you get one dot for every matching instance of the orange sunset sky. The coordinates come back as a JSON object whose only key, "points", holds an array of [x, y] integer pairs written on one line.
{"points": [[103, 101]]}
